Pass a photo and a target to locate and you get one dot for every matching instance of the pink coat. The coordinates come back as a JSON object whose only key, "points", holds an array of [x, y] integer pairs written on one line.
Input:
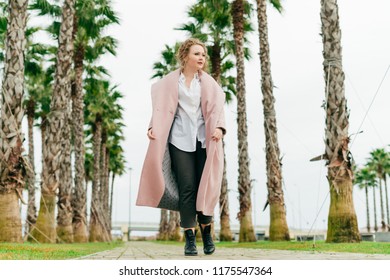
{"points": [[157, 184]]}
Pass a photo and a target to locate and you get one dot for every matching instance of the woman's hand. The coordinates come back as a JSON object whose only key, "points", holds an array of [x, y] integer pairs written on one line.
{"points": [[150, 135], [217, 134]]}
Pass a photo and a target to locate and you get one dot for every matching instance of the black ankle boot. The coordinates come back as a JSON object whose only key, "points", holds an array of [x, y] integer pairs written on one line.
{"points": [[190, 247], [208, 244]]}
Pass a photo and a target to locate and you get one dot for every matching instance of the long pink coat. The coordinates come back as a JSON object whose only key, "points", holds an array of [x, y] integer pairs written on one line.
{"points": [[158, 186]]}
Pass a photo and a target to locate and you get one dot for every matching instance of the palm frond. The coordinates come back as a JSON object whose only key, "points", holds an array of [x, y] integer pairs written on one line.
{"points": [[44, 7]]}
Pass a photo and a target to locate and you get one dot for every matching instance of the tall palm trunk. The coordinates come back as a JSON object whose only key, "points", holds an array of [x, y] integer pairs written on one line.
{"points": [[174, 226], [383, 223], [216, 60], [45, 230], [163, 233], [43, 127], [31, 208], [96, 222], [225, 233], [64, 215], [104, 189], [79, 200], [387, 202], [375, 218], [111, 195], [11, 138], [342, 221], [244, 181], [278, 223], [367, 208]]}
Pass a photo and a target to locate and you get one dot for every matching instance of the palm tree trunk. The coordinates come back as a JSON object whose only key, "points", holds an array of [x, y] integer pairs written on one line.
{"points": [[79, 200], [105, 191], [96, 223], [11, 148], [342, 221], [31, 208], [174, 226], [387, 203], [383, 223], [244, 182], [375, 218], [104, 185], [57, 119], [43, 127], [225, 233], [216, 60], [112, 195], [64, 215], [278, 223], [367, 208], [163, 228]]}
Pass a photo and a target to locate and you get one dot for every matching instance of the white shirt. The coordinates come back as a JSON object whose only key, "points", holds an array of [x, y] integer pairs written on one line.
{"points": [[188, 124]]}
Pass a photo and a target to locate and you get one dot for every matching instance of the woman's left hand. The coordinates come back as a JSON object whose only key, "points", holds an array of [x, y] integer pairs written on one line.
{"points": [[217, 135]]}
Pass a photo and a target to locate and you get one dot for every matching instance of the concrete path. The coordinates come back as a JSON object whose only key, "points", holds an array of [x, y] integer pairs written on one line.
{"points": [[144, 250]]}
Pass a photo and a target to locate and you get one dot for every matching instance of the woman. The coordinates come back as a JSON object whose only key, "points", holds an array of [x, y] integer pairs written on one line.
{"points": [[184, 162]]}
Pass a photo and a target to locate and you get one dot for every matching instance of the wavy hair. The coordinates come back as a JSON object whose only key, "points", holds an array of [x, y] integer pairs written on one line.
{"points": [[185, 49]]}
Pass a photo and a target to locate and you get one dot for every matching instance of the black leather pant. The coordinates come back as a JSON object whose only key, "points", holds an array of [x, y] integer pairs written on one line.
{"points": [[188, 168]]}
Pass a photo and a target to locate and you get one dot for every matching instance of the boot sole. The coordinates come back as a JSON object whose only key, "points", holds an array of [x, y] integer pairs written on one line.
{"points": [[209, 253], [190, 254]]}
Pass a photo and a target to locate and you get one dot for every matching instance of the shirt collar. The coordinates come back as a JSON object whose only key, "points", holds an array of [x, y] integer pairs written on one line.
{"points": [[182, 78]]}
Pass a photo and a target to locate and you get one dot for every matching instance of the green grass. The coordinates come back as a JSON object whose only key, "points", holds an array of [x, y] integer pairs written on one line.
{"points": [[32, 251], [308, 246], [318, 246]]}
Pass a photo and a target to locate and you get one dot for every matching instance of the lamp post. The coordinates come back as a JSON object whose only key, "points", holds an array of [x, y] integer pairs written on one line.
{"points": [[129, 222]]}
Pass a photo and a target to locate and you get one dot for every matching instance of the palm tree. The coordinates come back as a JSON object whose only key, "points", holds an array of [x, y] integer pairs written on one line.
{"points": [[244, 182], [12, 164], [365, 178], [342, 221], [117, 163], [379, 162], [104, 117], [58, 121], [387, 171], [278, 224], [168, 61], [64, 213], [374, 202], [92, 17], [112, 128], [95, 98], [35, 53], [35, 76]]}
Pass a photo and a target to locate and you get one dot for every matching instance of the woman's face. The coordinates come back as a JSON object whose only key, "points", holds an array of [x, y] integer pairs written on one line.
{"points": [[196, 58]]}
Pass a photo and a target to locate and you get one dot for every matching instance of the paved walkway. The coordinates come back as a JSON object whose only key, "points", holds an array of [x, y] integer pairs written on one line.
{"points": [[144, 250]]}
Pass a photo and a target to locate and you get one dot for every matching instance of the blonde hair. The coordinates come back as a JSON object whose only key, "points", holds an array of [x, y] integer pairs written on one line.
{"points": [[185, 49]]}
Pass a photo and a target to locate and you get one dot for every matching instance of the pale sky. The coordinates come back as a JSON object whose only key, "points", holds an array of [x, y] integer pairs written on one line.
{"points": [[296, 61]]}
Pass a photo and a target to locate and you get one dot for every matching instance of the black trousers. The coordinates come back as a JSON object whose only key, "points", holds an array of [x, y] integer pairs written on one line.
{"points": [[188, 168]]}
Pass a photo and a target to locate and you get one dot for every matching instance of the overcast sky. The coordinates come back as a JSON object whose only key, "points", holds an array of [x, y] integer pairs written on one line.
{"points": [[296, 59]]}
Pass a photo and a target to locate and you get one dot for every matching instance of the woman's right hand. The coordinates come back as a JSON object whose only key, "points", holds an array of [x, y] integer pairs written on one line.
{"points": [[150, 135]]}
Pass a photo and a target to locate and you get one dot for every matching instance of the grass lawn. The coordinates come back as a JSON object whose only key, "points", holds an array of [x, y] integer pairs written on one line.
{"points": [[32, 251], [319, 246]]}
